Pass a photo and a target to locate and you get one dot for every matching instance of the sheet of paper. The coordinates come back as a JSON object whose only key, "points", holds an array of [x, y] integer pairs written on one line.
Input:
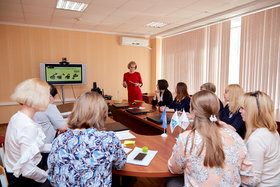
{"points": [[65, 114], [140, 107], [124, 135], [126, 150], [145, 162]]}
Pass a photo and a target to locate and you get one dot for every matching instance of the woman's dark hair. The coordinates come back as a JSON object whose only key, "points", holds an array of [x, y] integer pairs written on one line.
{"points": [[162, 84], [182, 91], [53, 90]]}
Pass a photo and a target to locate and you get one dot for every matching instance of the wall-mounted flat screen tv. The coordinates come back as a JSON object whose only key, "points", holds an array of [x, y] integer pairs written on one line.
{"points": [[63, 74]]}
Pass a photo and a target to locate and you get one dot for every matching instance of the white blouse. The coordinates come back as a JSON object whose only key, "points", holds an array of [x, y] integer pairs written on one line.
{"points": [[24, 142], [264, 153]]}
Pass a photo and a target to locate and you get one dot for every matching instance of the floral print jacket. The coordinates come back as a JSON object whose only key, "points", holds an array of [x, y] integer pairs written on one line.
{"points": [[85, 158], [237, 168]]}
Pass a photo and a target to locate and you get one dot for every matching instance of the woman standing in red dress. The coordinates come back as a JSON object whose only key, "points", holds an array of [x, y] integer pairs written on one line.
{"points": [[132, 81]]}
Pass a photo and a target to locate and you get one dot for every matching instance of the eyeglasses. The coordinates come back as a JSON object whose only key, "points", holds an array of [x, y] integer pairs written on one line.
{"points": [[255, 94]]}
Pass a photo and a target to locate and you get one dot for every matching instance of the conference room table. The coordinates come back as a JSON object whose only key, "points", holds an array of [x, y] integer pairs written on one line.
{"points": [[159, 165], [140, 127], [139, 123], [148, 134]]}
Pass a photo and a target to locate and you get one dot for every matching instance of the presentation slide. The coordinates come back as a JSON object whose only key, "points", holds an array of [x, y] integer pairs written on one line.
{"points": [[64, 74]]}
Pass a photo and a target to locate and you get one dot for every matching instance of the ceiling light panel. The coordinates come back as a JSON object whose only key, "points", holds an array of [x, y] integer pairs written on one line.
{"points": [[156, 24], [71, 5]]}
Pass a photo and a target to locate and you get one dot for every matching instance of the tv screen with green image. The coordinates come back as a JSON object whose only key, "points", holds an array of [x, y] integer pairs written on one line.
{"points": [[63, 74]]}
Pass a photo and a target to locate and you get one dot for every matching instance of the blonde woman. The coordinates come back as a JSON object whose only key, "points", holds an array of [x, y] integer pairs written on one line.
{"points": [[24, 140], [85, 155], [230, 113], [132, 81], [210, 154], [262, 138]]}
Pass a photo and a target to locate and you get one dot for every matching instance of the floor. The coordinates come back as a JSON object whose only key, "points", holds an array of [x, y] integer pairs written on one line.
{"points": [[154, 182], [142, 182]]}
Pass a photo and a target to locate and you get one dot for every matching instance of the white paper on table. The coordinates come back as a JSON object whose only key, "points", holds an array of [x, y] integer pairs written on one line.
{"points": [[126, 150], [65, 114], [124, 135], [146, 160], [140, 107]]}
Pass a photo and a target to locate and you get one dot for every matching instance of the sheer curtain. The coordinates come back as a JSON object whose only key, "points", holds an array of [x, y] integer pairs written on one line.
{"points": [[260, 53], [197, 57]]}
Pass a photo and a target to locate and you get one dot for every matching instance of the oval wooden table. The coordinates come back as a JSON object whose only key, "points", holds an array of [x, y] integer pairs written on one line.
{"points": [[159, 165]]}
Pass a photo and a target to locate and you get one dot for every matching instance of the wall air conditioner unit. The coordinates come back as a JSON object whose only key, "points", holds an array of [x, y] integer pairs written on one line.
{"points": [[135, 42]]}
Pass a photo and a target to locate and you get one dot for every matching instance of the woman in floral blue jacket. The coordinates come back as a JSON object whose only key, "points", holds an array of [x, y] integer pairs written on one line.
{"points": [[85, 155]]}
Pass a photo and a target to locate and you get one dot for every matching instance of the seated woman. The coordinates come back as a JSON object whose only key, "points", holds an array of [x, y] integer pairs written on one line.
{"points": [[163, 96], [262, 138], [181, 101], [210, 154], [51, 120], [211, 87], [84, 155], [24, 137], [230, 113]]}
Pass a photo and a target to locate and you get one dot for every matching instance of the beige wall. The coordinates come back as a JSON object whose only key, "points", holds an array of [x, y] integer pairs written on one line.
{"points": [[22, 49]]}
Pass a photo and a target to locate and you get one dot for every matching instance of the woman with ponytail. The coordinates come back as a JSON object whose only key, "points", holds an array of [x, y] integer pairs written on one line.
{"points": [[210, 154]]}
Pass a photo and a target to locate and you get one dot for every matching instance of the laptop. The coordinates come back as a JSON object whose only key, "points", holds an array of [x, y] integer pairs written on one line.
{"points": [[137, 111], [121, 105], [156, 119]]}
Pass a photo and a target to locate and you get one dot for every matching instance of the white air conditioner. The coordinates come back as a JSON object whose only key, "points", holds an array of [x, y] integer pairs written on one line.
{"points": [[135, 42]]}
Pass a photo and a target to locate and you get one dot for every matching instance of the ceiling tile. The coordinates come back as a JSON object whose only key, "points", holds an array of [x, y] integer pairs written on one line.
{"points": [[128, 16], [40, 3]]}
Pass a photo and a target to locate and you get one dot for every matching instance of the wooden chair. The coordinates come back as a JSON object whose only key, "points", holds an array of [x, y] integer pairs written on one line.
{"points": [[278, 126], [3, 176]]}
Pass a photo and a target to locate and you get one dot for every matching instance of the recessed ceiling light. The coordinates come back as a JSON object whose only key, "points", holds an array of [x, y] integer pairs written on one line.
{"points": [[71, 5], [156, 24]]}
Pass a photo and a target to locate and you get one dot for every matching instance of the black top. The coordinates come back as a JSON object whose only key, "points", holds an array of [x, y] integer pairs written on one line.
{"points": [[234, 120], [221, 107], [166, 99], [179, 106]]}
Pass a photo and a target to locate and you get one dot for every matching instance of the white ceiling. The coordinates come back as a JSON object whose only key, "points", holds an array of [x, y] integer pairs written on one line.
{"points": [[128, 16]]}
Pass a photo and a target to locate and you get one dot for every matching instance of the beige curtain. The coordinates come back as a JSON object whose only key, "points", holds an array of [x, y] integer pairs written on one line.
{"points": [[197, 57], [260, 53]]}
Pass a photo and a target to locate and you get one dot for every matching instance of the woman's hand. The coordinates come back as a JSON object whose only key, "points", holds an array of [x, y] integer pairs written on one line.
{"points": [[157, 94], [124, 84]]}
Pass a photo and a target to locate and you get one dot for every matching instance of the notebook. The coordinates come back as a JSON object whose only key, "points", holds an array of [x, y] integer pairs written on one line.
{"points": [[137, 111], [156, 119], [121, 105]]}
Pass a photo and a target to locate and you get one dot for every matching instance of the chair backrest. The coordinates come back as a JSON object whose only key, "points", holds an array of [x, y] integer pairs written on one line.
{"points": [[2, 150], [3, 176]]}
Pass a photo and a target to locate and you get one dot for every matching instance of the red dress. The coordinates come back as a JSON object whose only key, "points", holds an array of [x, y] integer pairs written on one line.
{"points": [[134, 92]]}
